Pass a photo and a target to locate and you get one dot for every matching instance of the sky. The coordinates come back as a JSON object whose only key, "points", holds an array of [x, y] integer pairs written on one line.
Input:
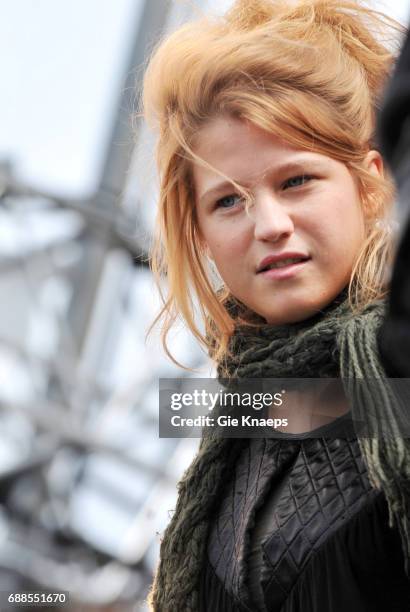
{"points": [[62, 66]]}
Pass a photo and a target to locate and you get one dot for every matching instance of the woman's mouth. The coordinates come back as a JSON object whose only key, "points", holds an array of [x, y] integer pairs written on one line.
{"points": [[283, 269]]}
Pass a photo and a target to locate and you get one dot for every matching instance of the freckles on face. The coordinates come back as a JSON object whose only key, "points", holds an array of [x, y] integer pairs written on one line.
{"points": [[305, 205]]}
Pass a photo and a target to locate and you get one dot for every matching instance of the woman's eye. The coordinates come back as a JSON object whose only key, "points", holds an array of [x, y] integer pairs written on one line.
{"points": [[297, 181], [227, 201]]}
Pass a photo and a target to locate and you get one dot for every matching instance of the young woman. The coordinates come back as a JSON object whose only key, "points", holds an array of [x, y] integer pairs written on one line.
{"points": [[274, 219]]}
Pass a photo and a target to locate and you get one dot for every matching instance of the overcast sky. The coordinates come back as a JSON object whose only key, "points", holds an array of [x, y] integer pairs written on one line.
{"points": [[61, 66]]}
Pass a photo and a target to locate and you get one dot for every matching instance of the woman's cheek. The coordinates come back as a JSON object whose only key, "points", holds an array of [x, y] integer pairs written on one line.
{"points": [[228, 247]]}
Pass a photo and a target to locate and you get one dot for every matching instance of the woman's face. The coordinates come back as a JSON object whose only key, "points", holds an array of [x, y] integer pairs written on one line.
{"points": [[305, 206]]}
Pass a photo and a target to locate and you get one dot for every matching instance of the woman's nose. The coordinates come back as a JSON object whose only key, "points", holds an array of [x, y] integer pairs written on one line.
{"points": [[272, 220]]}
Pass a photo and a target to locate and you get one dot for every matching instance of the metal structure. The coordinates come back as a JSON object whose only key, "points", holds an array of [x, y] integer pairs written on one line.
{"points": [[84, 479]]}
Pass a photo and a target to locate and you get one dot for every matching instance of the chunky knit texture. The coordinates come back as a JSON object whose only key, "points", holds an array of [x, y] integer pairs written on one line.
{"points": [[333, 343]]}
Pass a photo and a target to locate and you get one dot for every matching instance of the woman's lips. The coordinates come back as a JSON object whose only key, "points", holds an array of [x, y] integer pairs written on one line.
{"points": [[285, 271]]}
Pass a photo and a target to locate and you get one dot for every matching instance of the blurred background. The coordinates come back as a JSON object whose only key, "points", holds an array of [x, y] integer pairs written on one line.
{"points": [[86, 485]]}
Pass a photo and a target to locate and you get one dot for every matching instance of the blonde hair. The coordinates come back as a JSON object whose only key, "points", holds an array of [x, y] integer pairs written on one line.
{"points": [[313, 73]]}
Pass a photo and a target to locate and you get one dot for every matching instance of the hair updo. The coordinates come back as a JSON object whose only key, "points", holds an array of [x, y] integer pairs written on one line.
{"points": [[311, 72]]}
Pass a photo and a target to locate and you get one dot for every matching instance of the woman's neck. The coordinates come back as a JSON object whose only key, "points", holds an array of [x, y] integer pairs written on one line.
{"points": [[307, 410]]}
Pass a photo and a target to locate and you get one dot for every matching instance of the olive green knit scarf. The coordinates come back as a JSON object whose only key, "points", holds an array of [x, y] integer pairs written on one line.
{"points": [[335, 342]]}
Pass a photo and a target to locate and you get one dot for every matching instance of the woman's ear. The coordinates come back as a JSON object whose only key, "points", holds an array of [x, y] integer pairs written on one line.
{"points": [[374, 162]]}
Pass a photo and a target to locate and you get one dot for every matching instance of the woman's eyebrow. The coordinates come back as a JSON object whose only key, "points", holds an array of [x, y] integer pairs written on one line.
{"points": [[298, 165]]}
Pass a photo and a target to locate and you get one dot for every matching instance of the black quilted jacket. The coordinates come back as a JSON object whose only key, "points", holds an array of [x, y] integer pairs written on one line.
{"points": [[321, 529]]}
